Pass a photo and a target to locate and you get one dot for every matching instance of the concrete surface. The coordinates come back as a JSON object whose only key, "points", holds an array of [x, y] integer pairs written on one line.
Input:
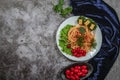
{"points": [[27, 41]]}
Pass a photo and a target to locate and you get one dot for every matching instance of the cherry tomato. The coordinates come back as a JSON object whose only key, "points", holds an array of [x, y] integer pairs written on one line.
{"points": [[72, 69], [84, 67], [72, 50], [83, 54], [79, 73], [76, 67], [83, 75], [68, 46], [67, 72], [76, 70], [68, 77], [71, 73], [75, 54], [79, 70], [76, 76], [79, 67], [72, 77], [85, 71]]}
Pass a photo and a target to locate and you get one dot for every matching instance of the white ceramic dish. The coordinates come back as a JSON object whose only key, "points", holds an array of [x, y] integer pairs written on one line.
{"points": [[89, 55]]}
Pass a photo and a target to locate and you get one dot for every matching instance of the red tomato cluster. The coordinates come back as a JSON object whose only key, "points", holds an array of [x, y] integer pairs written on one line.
{"points": [[77, 52], [76, 72]]}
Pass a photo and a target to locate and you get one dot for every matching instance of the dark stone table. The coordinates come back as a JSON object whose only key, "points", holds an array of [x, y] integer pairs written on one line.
{"points": [[28, 48]]}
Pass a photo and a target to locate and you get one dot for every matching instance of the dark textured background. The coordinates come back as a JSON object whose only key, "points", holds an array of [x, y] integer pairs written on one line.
{"points": [[27, 41]]}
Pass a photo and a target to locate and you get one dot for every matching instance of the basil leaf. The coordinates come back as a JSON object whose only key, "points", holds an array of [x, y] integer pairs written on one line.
{"points": [[82, 30], [61, 43], [58, 8], [66, 11], [61, 2], [94, 44], [80, 41]]}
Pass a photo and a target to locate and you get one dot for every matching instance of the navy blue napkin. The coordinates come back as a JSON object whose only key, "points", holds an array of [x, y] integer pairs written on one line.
{"points": [[109, 24]]}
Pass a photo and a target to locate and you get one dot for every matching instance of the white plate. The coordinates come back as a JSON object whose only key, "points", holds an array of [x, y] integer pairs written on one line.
{"points": [[89, 55]]}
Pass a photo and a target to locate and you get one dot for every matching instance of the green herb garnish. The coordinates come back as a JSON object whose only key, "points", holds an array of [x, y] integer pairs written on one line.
{"points": [[94, 44], [66, 11], [82, 30], [61, 2], [63, 41], [59, 9], [80, 41]]}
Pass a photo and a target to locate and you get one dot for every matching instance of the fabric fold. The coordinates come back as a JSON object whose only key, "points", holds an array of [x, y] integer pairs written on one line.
{"points": [[108, 21]]}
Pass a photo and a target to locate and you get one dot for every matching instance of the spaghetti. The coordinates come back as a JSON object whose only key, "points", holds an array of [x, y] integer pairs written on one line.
{"points": [[74, 34]]}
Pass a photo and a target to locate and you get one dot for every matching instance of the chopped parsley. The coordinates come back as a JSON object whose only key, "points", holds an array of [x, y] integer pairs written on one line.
{"points": [[82, 30]]}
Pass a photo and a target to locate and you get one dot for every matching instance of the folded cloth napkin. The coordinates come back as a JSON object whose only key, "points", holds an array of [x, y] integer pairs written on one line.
{"points": [[109, 24]]}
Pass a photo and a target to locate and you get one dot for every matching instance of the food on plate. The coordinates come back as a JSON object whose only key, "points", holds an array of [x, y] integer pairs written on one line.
{"points": [[77, 40]]}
